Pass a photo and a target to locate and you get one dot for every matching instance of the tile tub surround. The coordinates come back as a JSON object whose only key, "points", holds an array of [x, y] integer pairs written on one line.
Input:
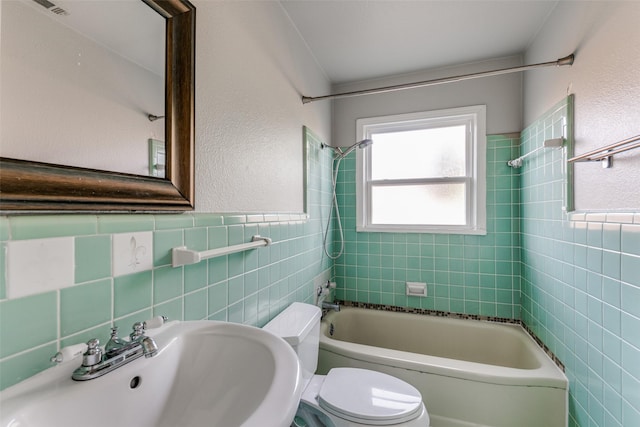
{"points": [[477, 275], [581, 288], [573, 280]]}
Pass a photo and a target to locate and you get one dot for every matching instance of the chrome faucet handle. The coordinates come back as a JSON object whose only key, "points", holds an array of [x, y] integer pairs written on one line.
{"points": [[149, 346], [93, 355], [155, 322], [138, 331]]}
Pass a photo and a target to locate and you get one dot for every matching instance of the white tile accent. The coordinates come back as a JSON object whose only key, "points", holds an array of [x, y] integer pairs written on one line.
{"points": [[39, 265], [255, 218], [577, 216], [611, 217], [132, 252], [623, 218], [596, 217]]}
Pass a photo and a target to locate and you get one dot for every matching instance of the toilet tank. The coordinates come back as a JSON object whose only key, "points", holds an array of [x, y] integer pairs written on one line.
{"points": [[299, 325]]}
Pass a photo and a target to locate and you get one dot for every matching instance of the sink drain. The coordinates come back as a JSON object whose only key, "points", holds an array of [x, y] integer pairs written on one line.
{"points": [[135, 382]]}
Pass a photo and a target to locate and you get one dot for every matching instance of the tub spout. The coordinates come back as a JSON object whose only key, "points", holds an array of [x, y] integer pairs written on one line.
{"points": [[330, 306]]}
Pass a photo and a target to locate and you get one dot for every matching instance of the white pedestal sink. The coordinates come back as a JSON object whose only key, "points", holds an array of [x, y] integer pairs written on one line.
{"points": [[206, 373]]}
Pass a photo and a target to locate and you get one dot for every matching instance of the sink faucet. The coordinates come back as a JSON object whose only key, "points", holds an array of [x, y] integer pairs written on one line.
{"points": [[117, 353]]}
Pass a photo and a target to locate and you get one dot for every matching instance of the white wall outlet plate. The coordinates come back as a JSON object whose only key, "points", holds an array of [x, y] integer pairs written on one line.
{"points": [[132, 253]]}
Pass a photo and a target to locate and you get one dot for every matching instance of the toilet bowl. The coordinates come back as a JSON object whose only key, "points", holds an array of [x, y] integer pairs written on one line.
{"points": [[345, 397], [350, 397]]}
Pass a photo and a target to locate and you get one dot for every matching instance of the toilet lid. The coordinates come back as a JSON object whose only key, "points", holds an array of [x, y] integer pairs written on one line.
{"points": [[369, 397]]}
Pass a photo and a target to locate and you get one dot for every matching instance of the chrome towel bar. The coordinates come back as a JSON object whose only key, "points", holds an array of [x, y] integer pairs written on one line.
{"points": [[605, 154], [183, 256]]}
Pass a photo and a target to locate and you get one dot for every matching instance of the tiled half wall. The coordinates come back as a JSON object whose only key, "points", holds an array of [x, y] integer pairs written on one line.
{"points": [[71, 277], [573, 280]]}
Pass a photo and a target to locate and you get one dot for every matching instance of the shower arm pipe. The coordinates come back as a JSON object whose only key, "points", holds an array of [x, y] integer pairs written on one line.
{"points": [[567, 60]]}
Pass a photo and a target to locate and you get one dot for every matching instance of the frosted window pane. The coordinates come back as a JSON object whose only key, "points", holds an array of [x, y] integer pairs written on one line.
{"points": [[436, 204], [424, 153]]}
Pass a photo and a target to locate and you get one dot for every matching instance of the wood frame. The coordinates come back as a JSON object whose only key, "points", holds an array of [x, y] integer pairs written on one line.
{"points": [[41, 187]]}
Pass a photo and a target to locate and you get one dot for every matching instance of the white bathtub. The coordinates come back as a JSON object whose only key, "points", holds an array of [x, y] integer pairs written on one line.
{"points": [[470, 373]]}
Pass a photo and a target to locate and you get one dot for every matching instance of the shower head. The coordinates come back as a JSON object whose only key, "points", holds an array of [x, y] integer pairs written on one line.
{"points": [[360, 144], [342, 153], [365, 143]]}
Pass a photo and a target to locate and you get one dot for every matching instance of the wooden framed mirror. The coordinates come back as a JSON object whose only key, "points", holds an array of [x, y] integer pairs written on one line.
{"points": [[31, 186]]}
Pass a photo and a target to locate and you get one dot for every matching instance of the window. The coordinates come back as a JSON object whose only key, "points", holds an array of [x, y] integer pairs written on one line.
{"points": [[424, 172]]}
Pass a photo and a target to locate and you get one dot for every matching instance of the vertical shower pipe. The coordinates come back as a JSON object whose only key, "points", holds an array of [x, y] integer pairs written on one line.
{"points": [[339, 155]]}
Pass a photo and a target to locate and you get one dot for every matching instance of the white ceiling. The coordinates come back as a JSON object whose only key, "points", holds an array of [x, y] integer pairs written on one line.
{"points": [[356, 40]]}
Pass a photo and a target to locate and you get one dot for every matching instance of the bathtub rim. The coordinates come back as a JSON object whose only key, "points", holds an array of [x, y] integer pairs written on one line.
{"points": [[546, 375]]}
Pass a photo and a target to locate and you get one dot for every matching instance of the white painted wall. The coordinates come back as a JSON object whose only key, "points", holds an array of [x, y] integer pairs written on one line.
{"points": [[252, 68], [605, 79], [501, 94]]}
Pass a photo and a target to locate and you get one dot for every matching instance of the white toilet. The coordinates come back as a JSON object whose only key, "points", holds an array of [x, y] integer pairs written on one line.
{"points": [[345, 397]]}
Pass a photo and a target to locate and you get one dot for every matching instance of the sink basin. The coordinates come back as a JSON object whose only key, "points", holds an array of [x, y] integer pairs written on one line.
{"points": [[206, 373]]}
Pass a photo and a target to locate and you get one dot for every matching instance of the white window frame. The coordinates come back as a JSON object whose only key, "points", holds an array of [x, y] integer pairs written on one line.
{"points": [[475, 119]]}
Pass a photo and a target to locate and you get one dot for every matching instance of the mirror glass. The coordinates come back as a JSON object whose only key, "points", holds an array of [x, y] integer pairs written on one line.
{"points": [[71, 100], [79, 80]]}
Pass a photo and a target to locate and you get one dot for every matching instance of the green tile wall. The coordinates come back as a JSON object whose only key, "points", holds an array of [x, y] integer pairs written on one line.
{"points": [[574, 280], [249, 287], [581, 287], [464, 274], [234, 288]]}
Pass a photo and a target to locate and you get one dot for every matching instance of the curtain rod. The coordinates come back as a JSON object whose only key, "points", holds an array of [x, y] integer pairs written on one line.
{"points": [[567, 60]]}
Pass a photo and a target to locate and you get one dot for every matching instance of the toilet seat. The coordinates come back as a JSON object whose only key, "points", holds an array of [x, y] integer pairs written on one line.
{"points": [[369, 397]]}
